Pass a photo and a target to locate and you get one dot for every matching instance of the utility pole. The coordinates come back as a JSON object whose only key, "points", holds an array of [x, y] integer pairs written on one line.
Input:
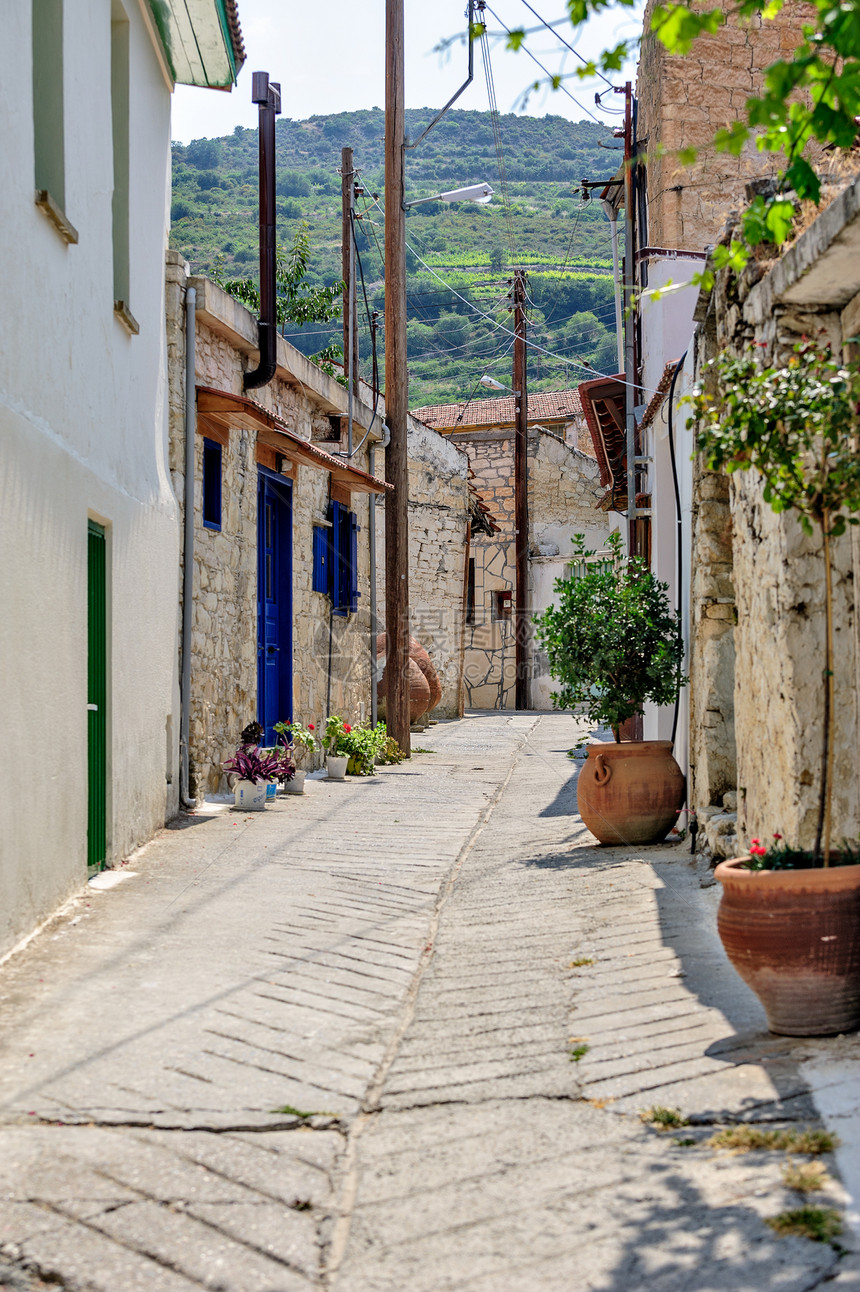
{"points": [[350, 332], [396, 388], [629, 329], [521, 492]]}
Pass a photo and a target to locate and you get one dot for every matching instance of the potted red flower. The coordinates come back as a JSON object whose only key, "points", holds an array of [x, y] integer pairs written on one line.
{"points": [[337, 751]]}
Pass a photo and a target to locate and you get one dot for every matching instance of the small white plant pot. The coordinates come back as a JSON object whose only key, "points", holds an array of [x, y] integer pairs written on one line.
{"points": [[297, 784], [271, 791], [250, 797], [336, 767]]}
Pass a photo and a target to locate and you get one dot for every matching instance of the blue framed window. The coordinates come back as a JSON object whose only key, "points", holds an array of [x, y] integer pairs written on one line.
{"points": [[211, 484], [335, 560], [322, 559]]}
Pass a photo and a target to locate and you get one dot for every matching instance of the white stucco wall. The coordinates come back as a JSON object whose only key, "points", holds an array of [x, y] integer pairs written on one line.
{"points": [[84, 432], [667, 331]]}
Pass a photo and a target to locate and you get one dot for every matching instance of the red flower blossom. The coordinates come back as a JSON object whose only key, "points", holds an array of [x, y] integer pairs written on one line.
{"points": [[777, 835], [347, 727], [757, 850], [311, 727]]}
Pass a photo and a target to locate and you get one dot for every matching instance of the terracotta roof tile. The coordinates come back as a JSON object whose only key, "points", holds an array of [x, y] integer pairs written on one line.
{"points": [[544, 405]]}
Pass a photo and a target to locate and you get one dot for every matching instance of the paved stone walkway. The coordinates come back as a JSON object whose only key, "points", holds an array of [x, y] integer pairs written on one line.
{"points": [[396, 1034]]}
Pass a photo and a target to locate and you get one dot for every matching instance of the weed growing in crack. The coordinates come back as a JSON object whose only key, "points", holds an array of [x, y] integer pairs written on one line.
{"points": [[663, 1118], [685, 1142], [289, 1111], [580, 962], [578, 1052], [820, 1224], [804, 1177], [746, 1139]]}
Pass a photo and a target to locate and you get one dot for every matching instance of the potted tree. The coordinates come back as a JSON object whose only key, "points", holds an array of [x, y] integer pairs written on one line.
{"points": [[614, 644], [789, 917]]}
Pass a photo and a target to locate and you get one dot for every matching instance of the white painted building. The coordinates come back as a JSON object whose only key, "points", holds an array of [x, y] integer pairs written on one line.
{"points": [[88, 518]]}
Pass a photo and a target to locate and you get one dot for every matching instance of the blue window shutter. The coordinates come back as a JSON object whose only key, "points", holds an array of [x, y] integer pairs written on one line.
{"points": [[211, 484], [322, 560], [353, 563], [338, 556]]}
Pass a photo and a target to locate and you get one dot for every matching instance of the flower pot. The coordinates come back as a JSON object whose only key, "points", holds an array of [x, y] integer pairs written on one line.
{"points": [[335, 766], [271, 791], [630, 793], [794, 938], [297, 784], [250, 797]]}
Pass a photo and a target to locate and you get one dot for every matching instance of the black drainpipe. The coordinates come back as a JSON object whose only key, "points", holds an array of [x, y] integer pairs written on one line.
{"points": [[267, 95]]}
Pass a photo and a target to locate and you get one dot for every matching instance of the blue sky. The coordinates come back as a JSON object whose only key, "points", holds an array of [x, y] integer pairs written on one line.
{"points": [[330, 58]]}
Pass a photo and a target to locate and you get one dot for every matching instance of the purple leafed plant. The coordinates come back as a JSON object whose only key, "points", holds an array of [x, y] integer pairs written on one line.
{"points": [[250, 763]]}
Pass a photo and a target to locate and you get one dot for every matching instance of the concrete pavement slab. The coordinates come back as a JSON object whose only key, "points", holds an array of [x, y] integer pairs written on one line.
{"points": [[398, 1033]]}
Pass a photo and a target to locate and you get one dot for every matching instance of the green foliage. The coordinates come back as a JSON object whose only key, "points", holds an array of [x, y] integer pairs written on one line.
{"points": [[820, 1224], [365, 746], [795, 424], [812, 95], [297, 302], [216, 230], [611, 638]]}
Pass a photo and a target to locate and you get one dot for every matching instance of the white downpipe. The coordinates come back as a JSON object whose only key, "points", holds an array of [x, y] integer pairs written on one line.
{"points": [[188, 546]]}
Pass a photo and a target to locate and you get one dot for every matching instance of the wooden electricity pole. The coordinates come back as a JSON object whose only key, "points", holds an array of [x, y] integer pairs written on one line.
{"points": [[521, 493], [396, 389], [350, 331]]}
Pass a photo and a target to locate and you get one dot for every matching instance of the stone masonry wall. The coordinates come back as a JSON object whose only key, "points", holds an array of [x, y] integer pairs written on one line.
{"points": [[683, 101], [563, 490], [224, 636], [438, 518], [777, 577]]}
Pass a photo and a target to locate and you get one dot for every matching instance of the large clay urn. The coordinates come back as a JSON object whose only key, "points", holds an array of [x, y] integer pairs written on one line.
{"points": [[425, 691], [794, 938], [630, 792]]}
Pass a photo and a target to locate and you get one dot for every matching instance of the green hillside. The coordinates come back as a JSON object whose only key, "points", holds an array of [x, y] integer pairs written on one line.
{"points": [[470, 249]]}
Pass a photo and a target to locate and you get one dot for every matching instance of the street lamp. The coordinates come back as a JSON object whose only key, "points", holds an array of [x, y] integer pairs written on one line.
{"points": [[481, 193]]}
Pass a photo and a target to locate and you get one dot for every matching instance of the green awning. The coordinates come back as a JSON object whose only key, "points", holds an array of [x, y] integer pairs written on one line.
{"points": [[202, 40]]}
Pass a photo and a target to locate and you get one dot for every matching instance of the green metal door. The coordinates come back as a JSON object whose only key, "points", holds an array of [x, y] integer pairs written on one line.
{"points": [[96, 695]]}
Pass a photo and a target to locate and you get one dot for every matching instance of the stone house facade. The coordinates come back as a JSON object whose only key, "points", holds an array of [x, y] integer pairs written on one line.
{"points": [[679, 211], [762, 731], [271, 639], [563, 493]]}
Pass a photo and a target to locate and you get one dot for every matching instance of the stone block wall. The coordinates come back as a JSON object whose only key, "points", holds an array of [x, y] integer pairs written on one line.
{"points": [[438, 520], [757, 687], [563, 490], [683, 101], [224, 633]]}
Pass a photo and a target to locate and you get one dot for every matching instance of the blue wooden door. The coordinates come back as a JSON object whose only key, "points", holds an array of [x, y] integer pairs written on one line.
{"points": [[274, 602]]}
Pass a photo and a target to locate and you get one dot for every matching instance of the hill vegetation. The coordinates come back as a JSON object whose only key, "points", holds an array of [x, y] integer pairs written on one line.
{"points": [[460, 257]]}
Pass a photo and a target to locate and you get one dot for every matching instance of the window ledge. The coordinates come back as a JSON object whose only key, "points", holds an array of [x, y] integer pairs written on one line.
{"points": [[56, 215], [126, 318]]}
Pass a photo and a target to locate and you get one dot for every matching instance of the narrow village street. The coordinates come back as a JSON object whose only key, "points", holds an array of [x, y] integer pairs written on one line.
{"points": [[398, 1034]]}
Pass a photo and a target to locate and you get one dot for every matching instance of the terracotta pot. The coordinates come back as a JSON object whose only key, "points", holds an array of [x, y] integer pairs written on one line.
{"points": [[422, 659], [630, 793], [420, 693], [794, 938]]}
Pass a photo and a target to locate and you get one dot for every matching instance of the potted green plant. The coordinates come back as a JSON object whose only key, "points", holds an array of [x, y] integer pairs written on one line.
{"points": [[336, 748], [614, 644], [302, 742], [255, 768], [789, 917]]}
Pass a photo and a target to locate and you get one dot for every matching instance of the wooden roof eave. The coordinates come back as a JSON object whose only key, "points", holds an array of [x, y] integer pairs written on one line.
{"points": [[228, 412]]}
